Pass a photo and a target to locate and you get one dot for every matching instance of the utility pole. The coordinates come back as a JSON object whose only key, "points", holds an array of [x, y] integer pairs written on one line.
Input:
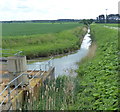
{"points": [[106, 16]]}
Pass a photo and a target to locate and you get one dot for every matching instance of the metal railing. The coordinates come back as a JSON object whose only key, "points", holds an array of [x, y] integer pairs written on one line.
{"points": [[43, 66], [49, 63], [5, 51]]}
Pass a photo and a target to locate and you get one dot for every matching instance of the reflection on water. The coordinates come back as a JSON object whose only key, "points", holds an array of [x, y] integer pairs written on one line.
{"points": [[67, 64]]}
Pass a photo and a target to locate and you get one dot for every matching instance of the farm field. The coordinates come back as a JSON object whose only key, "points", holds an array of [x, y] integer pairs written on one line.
{"points": [[41, 40], [18, 29], [96, 85]]}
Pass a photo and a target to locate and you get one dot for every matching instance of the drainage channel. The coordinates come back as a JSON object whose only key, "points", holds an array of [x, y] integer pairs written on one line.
{"points": [[66, 65]]}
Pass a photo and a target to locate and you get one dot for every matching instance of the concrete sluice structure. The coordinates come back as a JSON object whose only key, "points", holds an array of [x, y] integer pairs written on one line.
{"points": [[19, 85]]}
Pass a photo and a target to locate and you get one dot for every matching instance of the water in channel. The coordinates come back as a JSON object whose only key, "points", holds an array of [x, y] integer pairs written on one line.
{"points": [[66, 65]]}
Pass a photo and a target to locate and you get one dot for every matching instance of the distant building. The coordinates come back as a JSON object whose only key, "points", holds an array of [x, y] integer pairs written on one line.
{"points": [[111, 18], [101, 19]]}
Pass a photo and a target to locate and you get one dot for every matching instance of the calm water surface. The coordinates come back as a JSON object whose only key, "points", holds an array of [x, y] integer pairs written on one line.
{"points": [[67, 64]]}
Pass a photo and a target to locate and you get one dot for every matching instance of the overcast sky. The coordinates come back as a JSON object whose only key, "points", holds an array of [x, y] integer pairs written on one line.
{"points": [[55, 9]]}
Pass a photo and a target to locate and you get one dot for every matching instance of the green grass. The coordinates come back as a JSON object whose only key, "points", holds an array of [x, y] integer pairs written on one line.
{"points": [[17, 29], [98, 77], [59, 41], [111, 25]]}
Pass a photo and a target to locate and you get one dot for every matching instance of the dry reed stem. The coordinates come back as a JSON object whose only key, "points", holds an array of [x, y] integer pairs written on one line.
{"points": [[90, 54]]}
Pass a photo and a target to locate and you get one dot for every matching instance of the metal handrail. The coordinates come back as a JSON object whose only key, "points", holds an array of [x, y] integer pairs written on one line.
{"points": [[10, 93], [8, 85], [15, 54], [8, 49], [44, 64], [35, 76]]}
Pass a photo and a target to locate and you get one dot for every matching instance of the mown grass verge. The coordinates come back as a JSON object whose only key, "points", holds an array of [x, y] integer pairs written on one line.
{"points": [[43, 45]]}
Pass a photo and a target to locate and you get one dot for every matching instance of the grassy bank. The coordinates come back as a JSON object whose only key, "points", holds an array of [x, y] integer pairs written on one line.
{"points": [[43, 45], [96, 85], [98, 77]]}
